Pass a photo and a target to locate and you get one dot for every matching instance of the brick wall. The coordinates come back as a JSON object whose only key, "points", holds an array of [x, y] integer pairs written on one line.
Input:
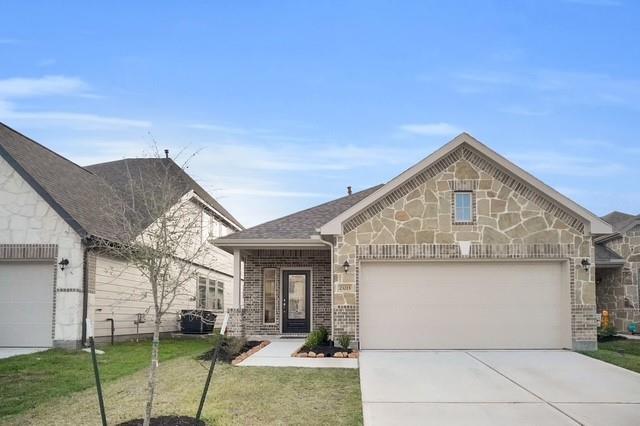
{"points": [[256, 261]]}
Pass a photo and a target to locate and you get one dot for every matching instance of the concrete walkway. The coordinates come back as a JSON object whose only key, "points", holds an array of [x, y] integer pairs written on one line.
{"points": [[9, 352], [278, 354], [496, 388]]}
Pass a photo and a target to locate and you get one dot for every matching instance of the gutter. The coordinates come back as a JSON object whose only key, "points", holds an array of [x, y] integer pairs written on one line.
{"points": [[85, 291], [331, 247], [230, 244]]}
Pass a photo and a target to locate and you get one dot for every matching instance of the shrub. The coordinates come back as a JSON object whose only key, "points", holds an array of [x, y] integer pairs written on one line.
{"points": [[607, 330], [317, 338], [230, 348], [344, 341]]}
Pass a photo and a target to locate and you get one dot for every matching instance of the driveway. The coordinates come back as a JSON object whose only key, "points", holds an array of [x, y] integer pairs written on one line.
{"points": [[496, 388], [9, 352]]}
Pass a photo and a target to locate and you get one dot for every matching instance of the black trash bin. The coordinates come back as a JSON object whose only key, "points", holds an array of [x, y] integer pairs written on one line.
{"points": [[197, 321]]}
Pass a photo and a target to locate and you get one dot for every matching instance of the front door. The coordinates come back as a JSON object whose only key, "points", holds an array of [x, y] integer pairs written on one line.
{"points": [[296, 301]]}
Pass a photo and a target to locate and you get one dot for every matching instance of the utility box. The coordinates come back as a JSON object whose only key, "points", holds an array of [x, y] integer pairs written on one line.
{"points": [[197, 321]]}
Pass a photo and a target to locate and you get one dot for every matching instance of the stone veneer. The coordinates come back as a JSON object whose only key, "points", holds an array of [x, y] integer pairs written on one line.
{"points": [[511, 221], [256, 261], [617, 288]]}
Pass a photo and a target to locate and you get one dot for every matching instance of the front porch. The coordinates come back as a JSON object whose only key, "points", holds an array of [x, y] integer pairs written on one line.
{"points": [[285, 292]]}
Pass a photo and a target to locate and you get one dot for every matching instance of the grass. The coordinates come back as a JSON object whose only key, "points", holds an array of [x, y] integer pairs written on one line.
{"points": [[238, 395], [28, 380], [623, 353]]}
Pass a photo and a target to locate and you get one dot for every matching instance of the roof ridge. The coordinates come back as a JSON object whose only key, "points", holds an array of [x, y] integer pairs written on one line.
{"points": [[42, 146]]}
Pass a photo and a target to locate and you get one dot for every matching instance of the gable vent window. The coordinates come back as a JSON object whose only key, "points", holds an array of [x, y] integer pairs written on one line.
{"points": [[463, 207]]}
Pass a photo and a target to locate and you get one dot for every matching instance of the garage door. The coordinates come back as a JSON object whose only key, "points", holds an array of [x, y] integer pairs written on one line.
{"points": [[464, 305], [26, 304]]}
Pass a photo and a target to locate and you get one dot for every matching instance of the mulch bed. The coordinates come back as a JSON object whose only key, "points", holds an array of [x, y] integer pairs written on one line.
{"points": [[166, 421], [232, 348], [251, 349], [325, 351], [610, 338]]}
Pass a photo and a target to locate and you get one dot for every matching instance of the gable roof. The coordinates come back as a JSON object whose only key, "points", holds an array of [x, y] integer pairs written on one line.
{"points": [[595, 225], [621, 222], [302, 225], [607, 257], [75, 193], [82, 196], [118, 174]]}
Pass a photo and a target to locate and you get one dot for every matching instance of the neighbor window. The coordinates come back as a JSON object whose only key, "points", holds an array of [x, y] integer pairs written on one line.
{"points": [[463, 211], [269, 289], [210, 294]]}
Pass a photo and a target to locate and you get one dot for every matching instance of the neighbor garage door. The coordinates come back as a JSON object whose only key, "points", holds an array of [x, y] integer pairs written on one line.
{"points": [[464, 305], [26, 304]]}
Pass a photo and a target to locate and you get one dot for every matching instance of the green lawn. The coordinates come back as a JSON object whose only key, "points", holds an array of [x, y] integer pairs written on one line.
{"points": [[28, 380], [50, 383], [623, 353]]}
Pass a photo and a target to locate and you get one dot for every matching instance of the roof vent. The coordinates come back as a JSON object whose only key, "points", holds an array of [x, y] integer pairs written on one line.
{"points": [[349, 191], [166, 153]]}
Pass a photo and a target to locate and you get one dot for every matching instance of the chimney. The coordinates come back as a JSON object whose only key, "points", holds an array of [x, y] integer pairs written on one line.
{"points": [[349, 191], [166, 153]]}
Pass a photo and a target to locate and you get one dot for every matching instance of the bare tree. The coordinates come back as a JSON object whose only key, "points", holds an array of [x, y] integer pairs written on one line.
{"points": [[158, 221]]}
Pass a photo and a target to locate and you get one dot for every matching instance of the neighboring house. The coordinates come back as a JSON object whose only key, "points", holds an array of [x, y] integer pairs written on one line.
{"points": [[51, 278], [618, 269], [462, 250]]}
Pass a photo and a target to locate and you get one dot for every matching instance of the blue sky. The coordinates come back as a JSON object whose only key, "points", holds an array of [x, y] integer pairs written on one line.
{"points": [[287, 103]]}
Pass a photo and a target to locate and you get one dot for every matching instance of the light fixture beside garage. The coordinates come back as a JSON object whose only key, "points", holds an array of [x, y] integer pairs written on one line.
{"points": [[346, 266], [63, 263], [585, 264]]}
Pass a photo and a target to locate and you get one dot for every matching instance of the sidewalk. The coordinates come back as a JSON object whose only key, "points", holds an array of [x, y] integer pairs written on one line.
{"points": [[278, 354]]}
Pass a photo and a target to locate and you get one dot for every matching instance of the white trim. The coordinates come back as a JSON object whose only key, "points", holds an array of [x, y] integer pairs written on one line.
{"points": [[228, 244], [595, 225], [283, 269]]}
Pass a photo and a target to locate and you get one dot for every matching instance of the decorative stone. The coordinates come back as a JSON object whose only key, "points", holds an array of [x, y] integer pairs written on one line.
{"points": [[508, 220], [353, 355], [444, 238], [431, 210], [405, 236], [484, 184], [429, 196], [311, 354], [464, 170], [542, 237], [498, 206], [415, 208], [467, 236], [442, 185], [513, 206], [425, 237], [303, 355], [483, 207], [365, 227], [416, 193], [402, 216], [491, 236], [535, 224], [384, 237], [338, 355], [321, 355], [517, 232]]}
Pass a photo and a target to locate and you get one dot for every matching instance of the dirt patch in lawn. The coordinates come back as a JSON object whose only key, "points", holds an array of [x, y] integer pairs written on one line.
{"points": [[166, 421]]}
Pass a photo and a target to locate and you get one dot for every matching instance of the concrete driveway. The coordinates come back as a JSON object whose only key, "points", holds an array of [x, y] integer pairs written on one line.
{"points": [[496, 388]]}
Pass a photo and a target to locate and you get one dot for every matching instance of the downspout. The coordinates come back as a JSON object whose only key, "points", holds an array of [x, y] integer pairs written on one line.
{"points": [[332, 285], [85, 292]]}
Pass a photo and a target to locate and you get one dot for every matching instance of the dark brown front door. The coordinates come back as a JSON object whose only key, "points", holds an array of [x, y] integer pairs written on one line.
{"points": [[296, 301]]}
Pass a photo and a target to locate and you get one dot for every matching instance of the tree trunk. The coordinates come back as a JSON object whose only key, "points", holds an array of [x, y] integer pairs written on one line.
{"points": [[151, 384]]}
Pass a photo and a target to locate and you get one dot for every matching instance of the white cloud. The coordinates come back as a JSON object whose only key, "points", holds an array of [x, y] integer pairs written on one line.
{"points": [[70, 119], [430, 129], [20, 87]]}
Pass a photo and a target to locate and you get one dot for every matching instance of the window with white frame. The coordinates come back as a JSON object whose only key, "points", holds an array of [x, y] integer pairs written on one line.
{"points": [[463, 207], [210, 294]]}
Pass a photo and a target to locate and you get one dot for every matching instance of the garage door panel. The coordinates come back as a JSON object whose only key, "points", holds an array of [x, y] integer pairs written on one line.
{"points": [[464, 305], [26, 304]]}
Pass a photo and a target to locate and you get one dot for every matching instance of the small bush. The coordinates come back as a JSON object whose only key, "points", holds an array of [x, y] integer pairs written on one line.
{"points": [[344, 341], [317, 338], [607, 330]]}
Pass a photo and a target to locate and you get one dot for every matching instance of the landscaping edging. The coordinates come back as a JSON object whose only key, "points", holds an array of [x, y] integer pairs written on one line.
{"points": [[250, 352], [301, 353]]}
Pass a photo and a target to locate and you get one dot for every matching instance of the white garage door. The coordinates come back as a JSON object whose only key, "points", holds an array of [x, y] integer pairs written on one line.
{"points": [[464, 305], [26, 304]]}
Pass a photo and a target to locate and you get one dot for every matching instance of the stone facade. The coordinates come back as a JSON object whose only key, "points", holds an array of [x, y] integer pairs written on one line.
{"points": [[618, 288], [27, 219], [510, 220], [256, 261]]}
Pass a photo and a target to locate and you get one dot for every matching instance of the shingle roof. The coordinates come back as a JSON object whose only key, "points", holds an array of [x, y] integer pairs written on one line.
{"points": [[605, 255], [619, 220], [303, 224], [118, 173], [74, 192], [83, 196]]}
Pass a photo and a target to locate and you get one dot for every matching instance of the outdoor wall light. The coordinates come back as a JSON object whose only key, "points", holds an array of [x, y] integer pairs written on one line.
{"points": [[63, 263], [585, 264], [346, 265]]}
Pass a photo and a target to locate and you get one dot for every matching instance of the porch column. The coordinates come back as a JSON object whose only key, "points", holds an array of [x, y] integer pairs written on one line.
{"points": [[237, 278]]}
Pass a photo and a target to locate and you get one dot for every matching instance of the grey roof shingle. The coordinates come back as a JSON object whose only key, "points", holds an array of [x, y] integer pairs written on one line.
{"points": [[74, 192], [83, 196], [604, 255], [303, 224], [620, 221], [119, 173]]}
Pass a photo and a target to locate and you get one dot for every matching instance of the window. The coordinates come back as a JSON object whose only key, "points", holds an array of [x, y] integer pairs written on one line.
{"points": [[210, 294], [269, 290], [463, 211]]}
